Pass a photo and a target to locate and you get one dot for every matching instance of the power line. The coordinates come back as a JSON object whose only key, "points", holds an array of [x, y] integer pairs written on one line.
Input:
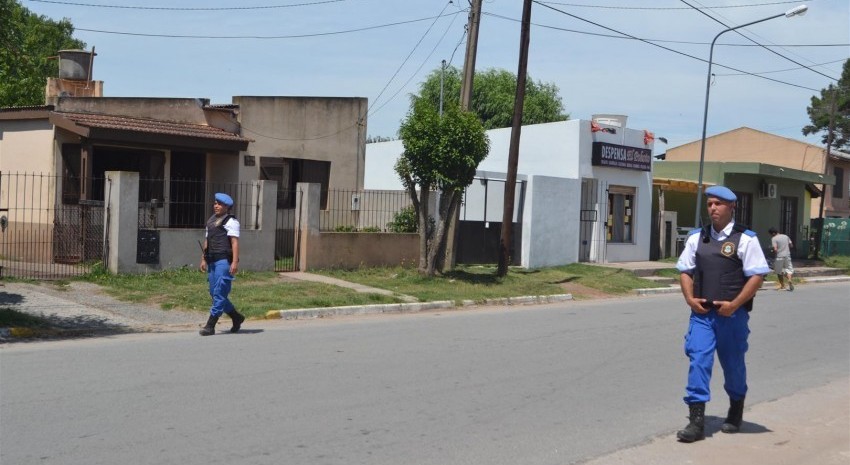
{"points": [[579, 5], [755, 42], [660, 41], [427, 31], [125, 7], [417, 69], [670, 49], [782, 70], [369, 109], [291, 36]]}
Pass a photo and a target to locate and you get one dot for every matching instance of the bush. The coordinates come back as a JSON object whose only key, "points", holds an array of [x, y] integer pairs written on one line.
{"points": [[404, 221]]}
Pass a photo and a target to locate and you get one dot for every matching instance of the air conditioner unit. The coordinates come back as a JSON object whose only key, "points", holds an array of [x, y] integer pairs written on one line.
{"points": [[768, 191]]}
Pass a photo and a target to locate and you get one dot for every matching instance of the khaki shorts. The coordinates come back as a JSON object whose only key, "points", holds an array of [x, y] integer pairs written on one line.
{"points": [[783, 266]]}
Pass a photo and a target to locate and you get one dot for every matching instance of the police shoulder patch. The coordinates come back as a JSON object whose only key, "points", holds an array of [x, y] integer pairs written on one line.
{"points": [[694, 231], [750, 233]]}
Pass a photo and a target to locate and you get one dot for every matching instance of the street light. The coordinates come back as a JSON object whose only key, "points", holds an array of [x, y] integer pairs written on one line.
{"points": [[796, 11]]}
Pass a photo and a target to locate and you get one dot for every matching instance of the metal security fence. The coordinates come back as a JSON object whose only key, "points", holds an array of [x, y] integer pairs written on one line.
{"points": [[45, 234], [187, 203], [835, 237], [362, 211]]}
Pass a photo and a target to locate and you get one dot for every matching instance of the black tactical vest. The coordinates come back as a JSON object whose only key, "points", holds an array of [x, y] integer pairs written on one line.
{"points": [[719, 273], [218, 243]]}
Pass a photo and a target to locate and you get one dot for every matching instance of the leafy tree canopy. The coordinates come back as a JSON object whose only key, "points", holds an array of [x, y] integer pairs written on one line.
{"points": [[493, 93], [833, 103], [440, 153], [28, 45]]}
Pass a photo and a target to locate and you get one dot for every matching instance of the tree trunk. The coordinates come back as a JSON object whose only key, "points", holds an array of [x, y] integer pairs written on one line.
{"points": [[444, 259], [424, 194], [437, 248]]}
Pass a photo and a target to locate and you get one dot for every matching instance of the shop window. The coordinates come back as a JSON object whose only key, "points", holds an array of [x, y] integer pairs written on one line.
{"points": [[838, 187], [621, 213]]}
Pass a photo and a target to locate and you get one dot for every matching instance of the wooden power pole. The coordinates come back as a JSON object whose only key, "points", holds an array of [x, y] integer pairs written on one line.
{"points": [[465, 99], [513, 149], [471, 50]]}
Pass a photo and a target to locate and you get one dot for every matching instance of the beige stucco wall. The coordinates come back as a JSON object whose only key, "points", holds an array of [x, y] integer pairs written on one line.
{"points": [[749, 145], [353, 250], [26, 146], [317, 128]]}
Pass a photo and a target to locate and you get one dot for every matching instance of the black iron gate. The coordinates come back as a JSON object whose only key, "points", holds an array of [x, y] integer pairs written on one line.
{"points": [[44, 235], [286, 231]]}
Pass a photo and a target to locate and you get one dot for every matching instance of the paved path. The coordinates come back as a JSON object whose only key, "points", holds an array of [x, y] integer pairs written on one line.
{"points": [[811, 427], [808, 427]]}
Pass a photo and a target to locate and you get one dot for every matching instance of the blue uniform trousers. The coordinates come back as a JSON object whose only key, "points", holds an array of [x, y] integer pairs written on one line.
{"points": [[220, 279], [728, 336]]}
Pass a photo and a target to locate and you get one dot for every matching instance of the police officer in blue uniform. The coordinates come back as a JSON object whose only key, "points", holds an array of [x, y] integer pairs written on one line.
{"points": [[221, 262], [722, 267]]}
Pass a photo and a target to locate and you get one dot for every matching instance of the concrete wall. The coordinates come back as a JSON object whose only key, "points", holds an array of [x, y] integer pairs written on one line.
{"points": [[317, 128], [319, 249], [354, 250], [26, 146], [178, 247], [550, 224], [181, 110], [745, 144]]}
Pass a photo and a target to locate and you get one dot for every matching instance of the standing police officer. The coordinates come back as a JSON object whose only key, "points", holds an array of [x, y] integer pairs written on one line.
{"points": [[221, 261], [722, 267]]}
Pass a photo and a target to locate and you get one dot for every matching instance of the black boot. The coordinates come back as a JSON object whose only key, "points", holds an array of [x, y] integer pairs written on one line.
{"points": [[209, 329], [734, 418], [696, 428], [237, 318]]}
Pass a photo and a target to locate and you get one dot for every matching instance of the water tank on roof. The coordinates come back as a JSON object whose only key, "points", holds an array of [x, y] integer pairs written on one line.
{"points": [[611, 120], [76, 65]]}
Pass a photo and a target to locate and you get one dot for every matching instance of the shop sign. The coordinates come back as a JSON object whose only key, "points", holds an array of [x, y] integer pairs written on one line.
{"points": [[620, 156]]}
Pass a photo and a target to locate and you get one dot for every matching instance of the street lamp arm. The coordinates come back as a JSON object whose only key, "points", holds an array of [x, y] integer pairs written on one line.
{"points": [[800, 10]]}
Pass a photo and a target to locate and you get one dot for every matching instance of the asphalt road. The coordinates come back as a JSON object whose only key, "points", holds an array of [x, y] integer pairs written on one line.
{"points": [[551, 384]]}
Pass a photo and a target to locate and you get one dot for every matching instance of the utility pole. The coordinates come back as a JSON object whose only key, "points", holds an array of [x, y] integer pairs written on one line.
{"points": [[513, 148], [471, 50], [450, 257], [829, 135]]}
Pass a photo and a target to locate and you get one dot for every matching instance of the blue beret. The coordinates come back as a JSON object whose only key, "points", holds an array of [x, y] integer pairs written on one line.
{"points": [[722, 193], [224, 199]]}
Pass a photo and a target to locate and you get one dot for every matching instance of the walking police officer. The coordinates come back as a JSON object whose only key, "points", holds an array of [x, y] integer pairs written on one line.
{"points": [[722, 267], [221, 262]]}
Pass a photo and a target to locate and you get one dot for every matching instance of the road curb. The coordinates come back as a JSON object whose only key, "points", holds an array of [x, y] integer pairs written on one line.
{"points": [[676, 288], [18, 332], [325, 312]]}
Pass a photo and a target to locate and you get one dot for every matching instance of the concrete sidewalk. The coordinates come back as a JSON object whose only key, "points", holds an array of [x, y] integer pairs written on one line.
{"points": [[811, 427]]}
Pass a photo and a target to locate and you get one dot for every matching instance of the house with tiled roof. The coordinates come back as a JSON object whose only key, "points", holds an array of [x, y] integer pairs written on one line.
{"points": [[181, 148], [780, 182]]}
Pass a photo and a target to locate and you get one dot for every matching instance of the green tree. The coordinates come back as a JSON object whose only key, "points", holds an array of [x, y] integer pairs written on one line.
{"points": [[493, 92], [441, 154], [832, 104], [28, 43]]}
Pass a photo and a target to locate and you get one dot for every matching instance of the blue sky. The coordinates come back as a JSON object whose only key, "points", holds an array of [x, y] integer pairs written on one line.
{"points": [[658, 89]]}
